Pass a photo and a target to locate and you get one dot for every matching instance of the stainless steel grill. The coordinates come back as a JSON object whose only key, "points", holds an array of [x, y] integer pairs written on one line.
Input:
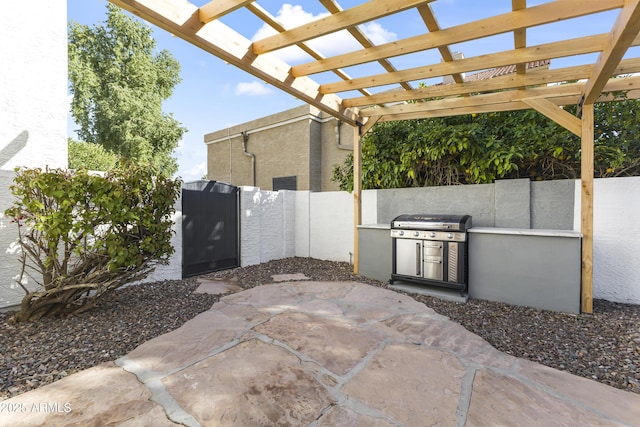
{"points": [[431, 250]]}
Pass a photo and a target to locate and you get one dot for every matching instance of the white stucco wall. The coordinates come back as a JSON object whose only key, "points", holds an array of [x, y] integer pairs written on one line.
{"points": [[302, 213], [267, 225], [616, 242], [283, 224], [173, 270], [33, 108], [331, 225], [33, 87]]}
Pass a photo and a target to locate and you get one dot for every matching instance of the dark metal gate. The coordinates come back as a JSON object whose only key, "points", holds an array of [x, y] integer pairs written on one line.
{"points": [[210, 227]]}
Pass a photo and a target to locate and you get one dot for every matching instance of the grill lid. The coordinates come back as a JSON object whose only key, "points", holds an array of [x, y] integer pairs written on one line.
{"points": [[432, 222]]}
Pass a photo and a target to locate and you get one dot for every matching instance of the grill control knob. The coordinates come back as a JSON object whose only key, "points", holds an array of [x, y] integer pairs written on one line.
{"points": [[432, 234], [416, 233], [401, 233], [450, 235]]}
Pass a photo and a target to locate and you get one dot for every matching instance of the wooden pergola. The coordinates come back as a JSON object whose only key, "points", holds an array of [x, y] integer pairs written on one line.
{"points": [[395, 93]]}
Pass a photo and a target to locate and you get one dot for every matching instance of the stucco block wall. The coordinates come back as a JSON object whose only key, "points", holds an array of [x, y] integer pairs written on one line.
{"points": [[172, 270], [302, 226], [10, 292], [331, 222], [513, 203], [552, 204], [267, 225], [509, 203], [33, 108], [475, 200]]}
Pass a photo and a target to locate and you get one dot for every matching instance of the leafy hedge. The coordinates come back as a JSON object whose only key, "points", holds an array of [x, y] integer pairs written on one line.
{"points": [[480, 148], [83, 235]]}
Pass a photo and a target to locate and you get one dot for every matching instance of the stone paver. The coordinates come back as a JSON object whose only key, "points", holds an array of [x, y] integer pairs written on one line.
{"points": [[216, 287], [321, 354], [335, 344], [103, 395], [497, 398], [397, 383], [254, 383], [289, 277]]}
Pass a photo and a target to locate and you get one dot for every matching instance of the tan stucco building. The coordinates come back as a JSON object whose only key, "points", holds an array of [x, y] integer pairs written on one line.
{"points": [[295, 149]]}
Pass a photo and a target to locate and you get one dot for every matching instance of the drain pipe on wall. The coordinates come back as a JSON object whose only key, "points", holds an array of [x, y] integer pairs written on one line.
{"points": [[230, 155], [245, 139]]}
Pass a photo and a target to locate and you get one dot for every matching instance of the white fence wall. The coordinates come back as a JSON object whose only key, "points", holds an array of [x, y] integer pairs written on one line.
{"points": [[267, 225], [173, 270], [331, 226], [324, 223], [616, 238]]}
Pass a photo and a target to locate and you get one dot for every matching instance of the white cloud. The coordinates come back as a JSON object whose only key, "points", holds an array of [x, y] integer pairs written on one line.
{"points": [[194, 172], [377, 33], [291, 16], [253, 88]]}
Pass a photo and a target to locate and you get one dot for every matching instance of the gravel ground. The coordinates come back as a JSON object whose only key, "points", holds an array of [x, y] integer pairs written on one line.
{"points": [[604, 346], [34, 354]]}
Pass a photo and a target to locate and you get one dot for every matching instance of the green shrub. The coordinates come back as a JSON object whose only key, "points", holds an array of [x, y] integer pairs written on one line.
{"points": [[84, 235]]}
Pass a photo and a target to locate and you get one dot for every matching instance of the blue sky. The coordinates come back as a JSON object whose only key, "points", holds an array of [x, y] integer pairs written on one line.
{"points": [[214, 95]]}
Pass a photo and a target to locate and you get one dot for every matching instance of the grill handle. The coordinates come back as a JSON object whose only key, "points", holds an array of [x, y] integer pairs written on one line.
{"points": [[418, 263]]}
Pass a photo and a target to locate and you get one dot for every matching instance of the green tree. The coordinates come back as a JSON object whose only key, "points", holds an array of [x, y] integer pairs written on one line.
{"points": [[90, 156], [118, 83], [481, 148]]}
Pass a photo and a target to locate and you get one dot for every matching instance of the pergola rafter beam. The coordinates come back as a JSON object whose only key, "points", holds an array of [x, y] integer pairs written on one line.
{"points": [[365, 12], [218, 8], [510, 81], [557, 114], [519, 35], [559, 95], [182, 19], [334, 8], [273, 23], [559, 49], [623, 34], [508, 22], [491, 108]]}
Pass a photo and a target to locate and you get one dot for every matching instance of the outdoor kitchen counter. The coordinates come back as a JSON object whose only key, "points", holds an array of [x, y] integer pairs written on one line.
{"points": [[374, 245], [535, 268], [526, 232], [375, 226]]}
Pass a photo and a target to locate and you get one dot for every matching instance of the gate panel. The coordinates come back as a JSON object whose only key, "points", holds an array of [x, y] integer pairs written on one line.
{"points": [[210, 227]]}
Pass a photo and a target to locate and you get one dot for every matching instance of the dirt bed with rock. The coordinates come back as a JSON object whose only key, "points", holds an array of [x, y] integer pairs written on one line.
{"points": [[603, 346]]}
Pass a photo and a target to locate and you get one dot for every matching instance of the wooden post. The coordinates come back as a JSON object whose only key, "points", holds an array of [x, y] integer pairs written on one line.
{"points": [[586, 198], [357, 196]]}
